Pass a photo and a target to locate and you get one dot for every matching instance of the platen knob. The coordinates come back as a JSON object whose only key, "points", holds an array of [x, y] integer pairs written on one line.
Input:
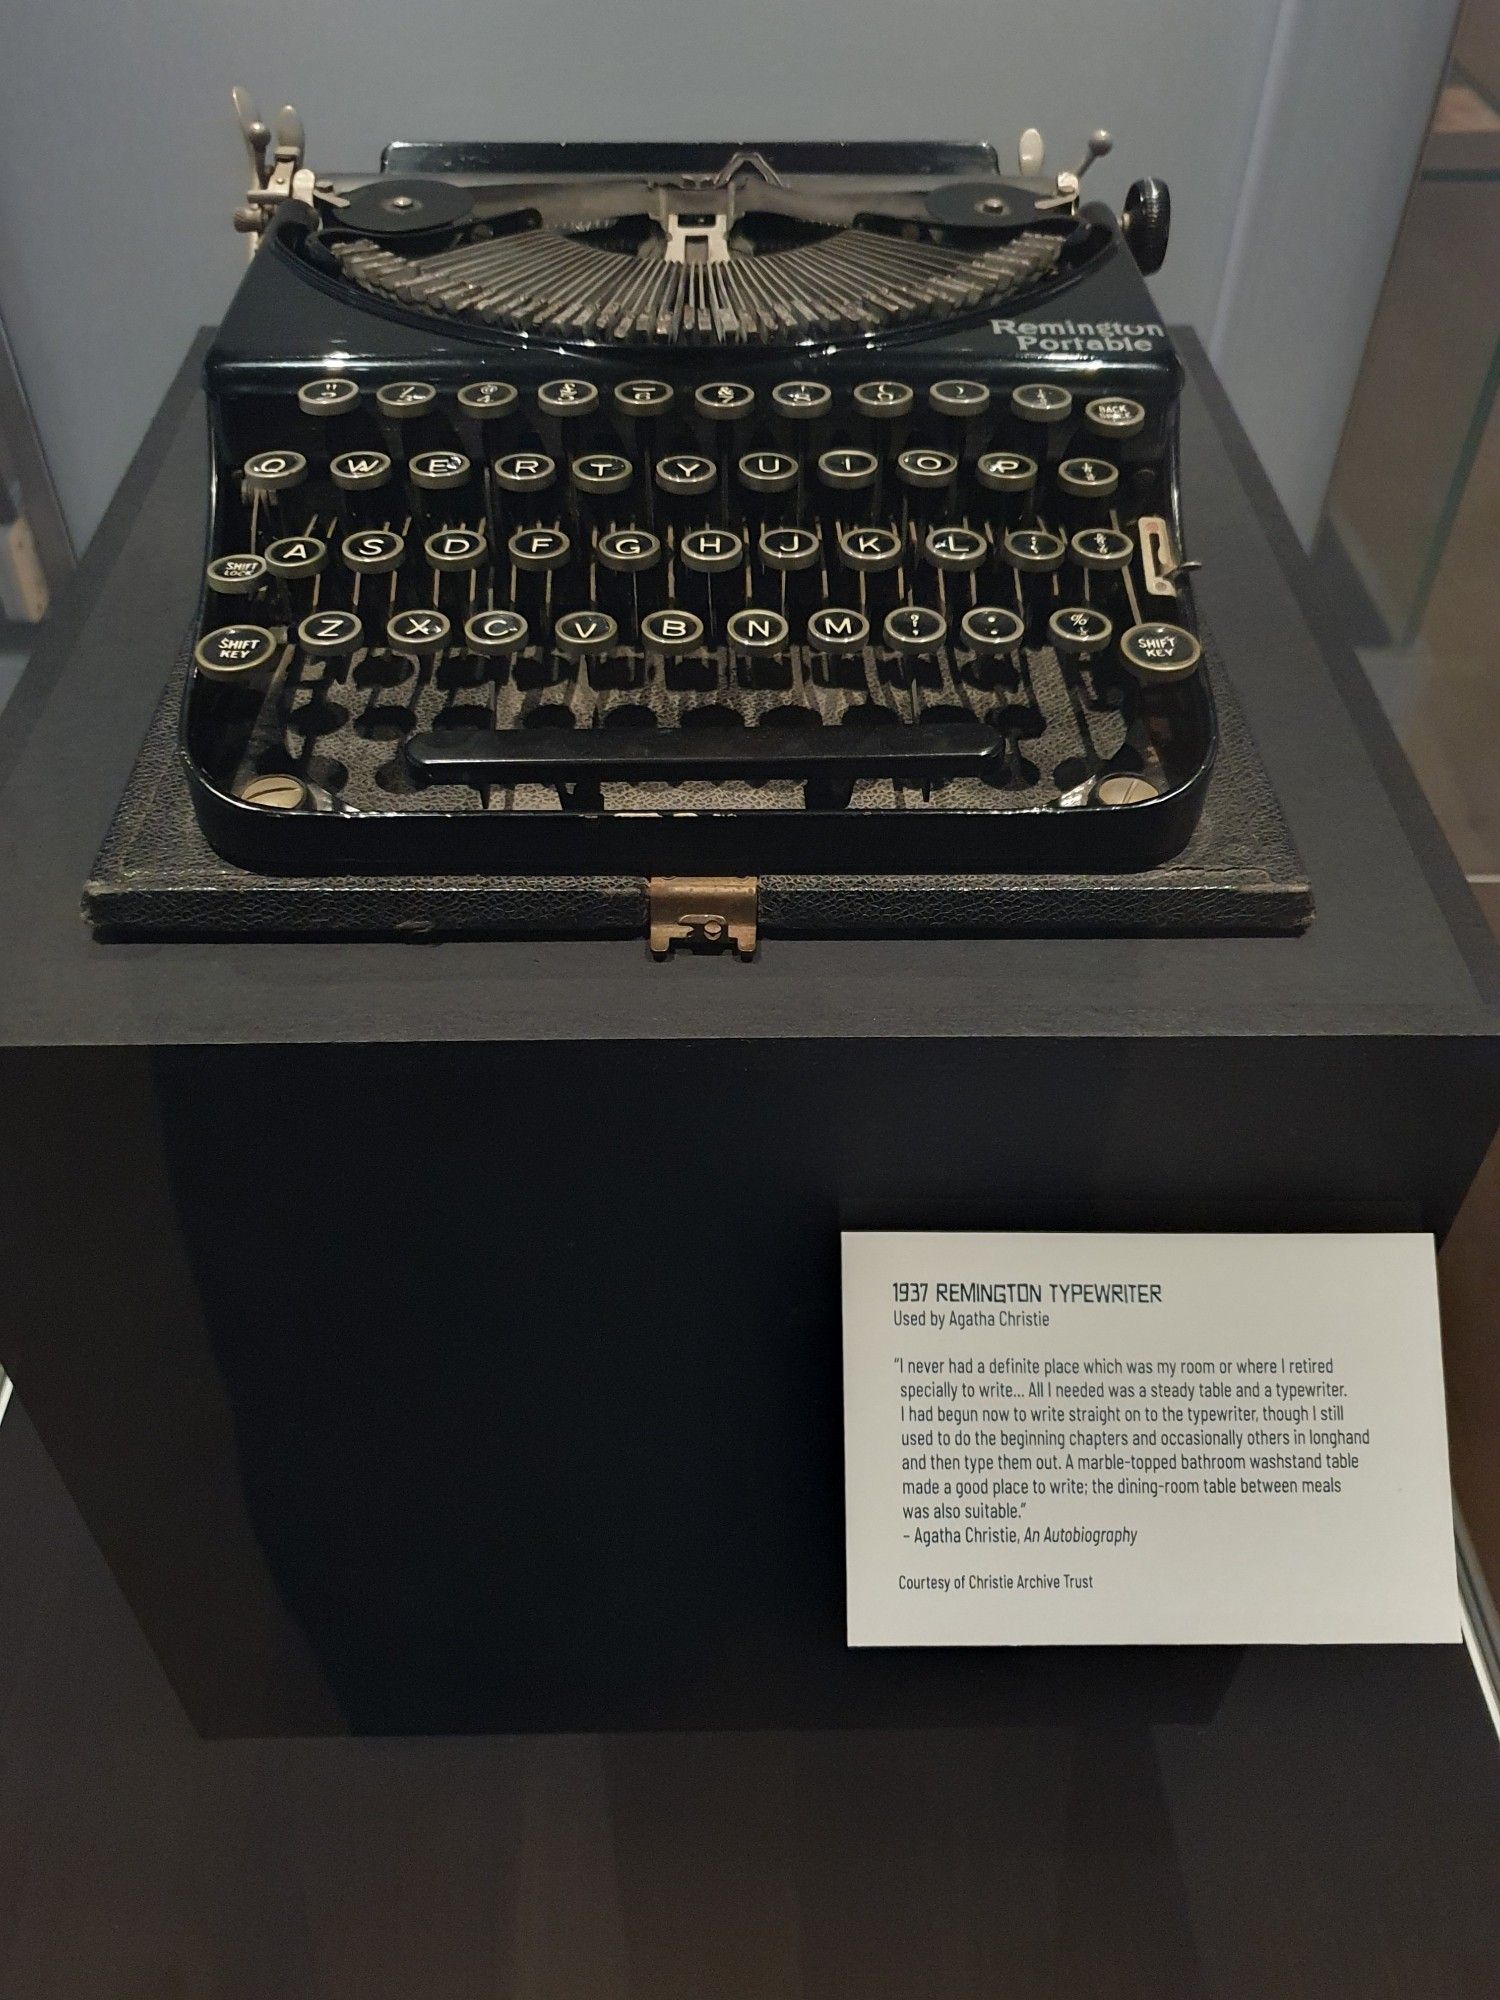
{"points": [[1146, 220]]}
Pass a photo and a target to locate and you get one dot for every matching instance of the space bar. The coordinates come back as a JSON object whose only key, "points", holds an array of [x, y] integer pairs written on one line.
{"points": [[920, 753]]}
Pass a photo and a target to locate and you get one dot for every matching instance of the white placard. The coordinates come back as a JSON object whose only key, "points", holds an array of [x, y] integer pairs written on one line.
{"points": [[1143, 1439]]}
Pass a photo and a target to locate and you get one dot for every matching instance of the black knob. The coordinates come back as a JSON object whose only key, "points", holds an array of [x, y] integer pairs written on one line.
{"points": [[1147, 223]]}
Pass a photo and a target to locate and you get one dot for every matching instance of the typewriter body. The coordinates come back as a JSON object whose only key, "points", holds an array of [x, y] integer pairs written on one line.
{"points": [[695, 511]]}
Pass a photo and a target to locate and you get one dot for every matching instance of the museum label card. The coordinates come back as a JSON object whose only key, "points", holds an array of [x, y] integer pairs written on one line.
{"points": [[1144, 1440]]}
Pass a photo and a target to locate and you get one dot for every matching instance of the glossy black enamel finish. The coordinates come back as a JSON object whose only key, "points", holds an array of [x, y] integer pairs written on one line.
{"points": [[1094, 331]]}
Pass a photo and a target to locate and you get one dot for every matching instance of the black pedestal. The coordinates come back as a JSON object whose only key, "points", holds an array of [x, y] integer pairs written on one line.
{"points": [[447, 1337]]}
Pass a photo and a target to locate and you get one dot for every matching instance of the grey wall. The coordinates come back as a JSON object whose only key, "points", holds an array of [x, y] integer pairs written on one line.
{"points": [[119, 165]]}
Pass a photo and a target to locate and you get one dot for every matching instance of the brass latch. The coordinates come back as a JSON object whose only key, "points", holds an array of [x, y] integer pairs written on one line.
{"points": [[703, 912], [1160, 561]]}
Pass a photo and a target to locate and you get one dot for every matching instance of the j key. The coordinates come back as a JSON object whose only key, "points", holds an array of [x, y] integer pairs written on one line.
{"points": [[914, 629], [420, 633], [331, 635], [791, 561], [961, 549], [404, 402], [496, 634], [295, 558], [833, 629], [585, 635], [272, 472], [235, 652], [236, 576], [373, 551], [456, 549], [1080, 630], [1155, 651], [1115, 416], [329, 396]]}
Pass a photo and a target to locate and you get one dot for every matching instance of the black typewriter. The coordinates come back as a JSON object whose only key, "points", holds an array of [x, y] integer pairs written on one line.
{"points": [[694, 511]]}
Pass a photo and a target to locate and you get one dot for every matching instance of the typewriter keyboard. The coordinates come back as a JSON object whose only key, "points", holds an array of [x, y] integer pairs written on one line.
{"points": [[630, 596]]}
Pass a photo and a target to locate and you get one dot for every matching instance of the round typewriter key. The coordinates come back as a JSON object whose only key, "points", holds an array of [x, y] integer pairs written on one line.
{"points": [[539, 548], [685, 473], [723, 401], [601, 472], [1088, 478], [915, 628], [525, 471], [1041, 402], [296, 556], [417, 631], [277, 791], [870, 549], [236, 576], [234, 651], [756, 632], [274, 471], [643, 398], [926, 469], [1102, 548], [329, 635], [373, 551], [583, 635], [1125, 788], [1158, 652], [1079, 628], [789, 548], [958, 399], [711, 551], [487, 399], [492, 633], [848, 471], [887, 400], [768, 471], [438, 471], [1033, 549], [569, 397], [405, 399], [1115, 416], [360, 471], [956, 548], [832, 629], [628, 550], [1006, 471], [455, 549], [329, 396], [991, 628], [802, 400], [671, 631]]}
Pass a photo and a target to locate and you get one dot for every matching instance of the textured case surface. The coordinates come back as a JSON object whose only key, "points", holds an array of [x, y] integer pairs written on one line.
{"points": [[157, 877]]}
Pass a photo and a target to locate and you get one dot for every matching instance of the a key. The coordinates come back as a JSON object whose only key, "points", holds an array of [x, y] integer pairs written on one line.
{"points": [[296, 558]]}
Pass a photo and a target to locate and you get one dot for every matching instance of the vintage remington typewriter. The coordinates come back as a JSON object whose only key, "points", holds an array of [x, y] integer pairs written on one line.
{"points": [[699, 514]]}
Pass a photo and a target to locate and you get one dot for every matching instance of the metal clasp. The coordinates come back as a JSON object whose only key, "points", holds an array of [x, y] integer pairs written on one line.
{"points": [[703, 912]]}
